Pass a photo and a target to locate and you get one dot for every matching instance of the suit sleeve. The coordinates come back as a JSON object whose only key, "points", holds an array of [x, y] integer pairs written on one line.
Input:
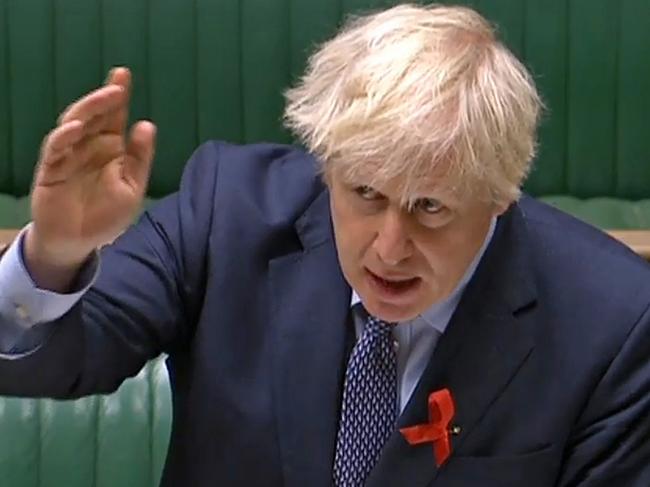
{"points": [[611, 443], [145, 300]]}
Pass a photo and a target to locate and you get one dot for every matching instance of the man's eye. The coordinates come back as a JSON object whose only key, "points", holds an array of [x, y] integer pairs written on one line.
{"points": [[366, 192], [430, 206]]}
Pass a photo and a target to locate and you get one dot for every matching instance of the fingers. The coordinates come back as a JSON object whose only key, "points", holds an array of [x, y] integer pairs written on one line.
{"points": [[102, 124], [104, 110], [91, 131], [118, 120], [99, 102], [108, 103], [61, 140], [140, 151], [87, 155], [119, 76]]}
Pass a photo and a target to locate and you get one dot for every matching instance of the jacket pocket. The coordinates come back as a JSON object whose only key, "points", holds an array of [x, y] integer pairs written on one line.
{"points": [[534, 469]]}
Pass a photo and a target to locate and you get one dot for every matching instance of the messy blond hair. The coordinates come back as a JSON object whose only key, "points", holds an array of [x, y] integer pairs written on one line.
{"points": [[419, 90]]}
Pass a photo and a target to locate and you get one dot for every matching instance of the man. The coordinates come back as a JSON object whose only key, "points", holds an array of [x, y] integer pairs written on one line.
{"points": [[314, 305]]}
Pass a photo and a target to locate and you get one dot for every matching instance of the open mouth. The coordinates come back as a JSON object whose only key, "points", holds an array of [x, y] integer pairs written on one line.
{"points": [[393, 286]]}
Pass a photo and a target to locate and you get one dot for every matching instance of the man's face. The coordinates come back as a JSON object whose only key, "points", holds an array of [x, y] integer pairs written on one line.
{"points": [[400, 261]]}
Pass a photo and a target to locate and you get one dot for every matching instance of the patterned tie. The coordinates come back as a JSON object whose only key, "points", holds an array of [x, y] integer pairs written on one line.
{"points": [[369, 409]]}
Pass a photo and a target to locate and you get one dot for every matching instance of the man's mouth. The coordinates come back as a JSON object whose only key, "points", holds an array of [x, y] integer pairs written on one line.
{"points": [[392, 284]]}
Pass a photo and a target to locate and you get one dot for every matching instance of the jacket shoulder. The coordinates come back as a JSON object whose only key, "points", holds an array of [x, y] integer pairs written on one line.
{"points": [[578, 262], [278, 180]]}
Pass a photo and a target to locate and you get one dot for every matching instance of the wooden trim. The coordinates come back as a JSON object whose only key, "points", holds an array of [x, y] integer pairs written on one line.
{"points": [[6, 237], [637, 240]]}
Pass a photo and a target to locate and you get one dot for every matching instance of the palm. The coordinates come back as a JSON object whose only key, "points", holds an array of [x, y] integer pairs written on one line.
{"points": [[94, 204]]}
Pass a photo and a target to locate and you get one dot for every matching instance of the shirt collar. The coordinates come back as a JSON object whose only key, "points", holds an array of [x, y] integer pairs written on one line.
{"points": [[439, 314]]}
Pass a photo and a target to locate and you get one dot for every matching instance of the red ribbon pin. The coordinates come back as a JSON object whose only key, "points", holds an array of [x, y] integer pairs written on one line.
{"points": [[437, 430]]}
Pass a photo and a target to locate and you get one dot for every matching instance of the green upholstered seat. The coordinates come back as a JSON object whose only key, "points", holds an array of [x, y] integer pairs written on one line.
{"points": [[606, 212], [115, 440], [216, 69], [14, 212]]}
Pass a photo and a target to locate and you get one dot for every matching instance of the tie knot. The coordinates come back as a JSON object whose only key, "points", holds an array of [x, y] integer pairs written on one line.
{"points": [[377, 327]]}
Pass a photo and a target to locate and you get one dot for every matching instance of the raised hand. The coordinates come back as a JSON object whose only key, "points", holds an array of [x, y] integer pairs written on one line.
{"points": [[90, 180]]}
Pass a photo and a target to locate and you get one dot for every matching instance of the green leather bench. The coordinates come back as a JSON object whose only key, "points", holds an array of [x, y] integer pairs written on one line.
{"points": [[216, 69], [115, 440]]}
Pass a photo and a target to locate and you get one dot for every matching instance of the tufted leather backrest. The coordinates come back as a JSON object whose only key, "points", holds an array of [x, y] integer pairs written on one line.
{"points": [[216, 69], [108, 441]]}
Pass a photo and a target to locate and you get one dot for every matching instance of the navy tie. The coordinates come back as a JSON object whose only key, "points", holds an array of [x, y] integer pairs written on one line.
{"points": [[369, 409]]}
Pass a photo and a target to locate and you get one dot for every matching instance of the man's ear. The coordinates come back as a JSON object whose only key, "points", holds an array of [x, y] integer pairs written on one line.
{"points": [[499, 209], [326, 176]]}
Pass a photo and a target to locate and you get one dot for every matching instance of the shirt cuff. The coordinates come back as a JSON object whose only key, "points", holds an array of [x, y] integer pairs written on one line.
{"points": [[22, 303]]}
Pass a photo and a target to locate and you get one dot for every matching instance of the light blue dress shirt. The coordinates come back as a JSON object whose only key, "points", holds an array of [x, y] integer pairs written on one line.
{"points": [[23, 305]]}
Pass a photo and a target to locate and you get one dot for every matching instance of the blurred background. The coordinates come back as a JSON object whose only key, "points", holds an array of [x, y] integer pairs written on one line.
{"points": [[216, 69]]}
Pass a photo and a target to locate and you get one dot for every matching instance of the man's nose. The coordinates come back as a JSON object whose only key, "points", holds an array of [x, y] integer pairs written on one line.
{"points": [[392, 242]]}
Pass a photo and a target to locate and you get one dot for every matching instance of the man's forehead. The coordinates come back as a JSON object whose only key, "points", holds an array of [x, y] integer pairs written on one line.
{"points": [[408, 187]]}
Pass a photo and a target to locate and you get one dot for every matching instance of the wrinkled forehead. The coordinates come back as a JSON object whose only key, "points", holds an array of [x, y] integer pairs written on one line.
{"points": [[405, 186]]}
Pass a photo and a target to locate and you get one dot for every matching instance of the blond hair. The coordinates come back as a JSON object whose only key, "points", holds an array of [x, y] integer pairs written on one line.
{"points": [[419, 90]]}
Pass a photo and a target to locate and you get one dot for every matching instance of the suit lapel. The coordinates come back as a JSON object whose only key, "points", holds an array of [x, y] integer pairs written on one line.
{"points": [[310, 307], [484, 346]]}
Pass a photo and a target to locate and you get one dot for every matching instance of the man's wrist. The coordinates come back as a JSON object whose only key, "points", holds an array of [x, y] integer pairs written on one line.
{"points": [[51, 273]]}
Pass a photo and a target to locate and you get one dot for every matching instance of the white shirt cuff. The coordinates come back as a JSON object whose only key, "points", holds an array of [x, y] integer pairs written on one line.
{"points": [[24, 304]]}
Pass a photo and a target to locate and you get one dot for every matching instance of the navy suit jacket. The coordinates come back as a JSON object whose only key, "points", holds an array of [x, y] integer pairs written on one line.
{"points": [[236, 278]]}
